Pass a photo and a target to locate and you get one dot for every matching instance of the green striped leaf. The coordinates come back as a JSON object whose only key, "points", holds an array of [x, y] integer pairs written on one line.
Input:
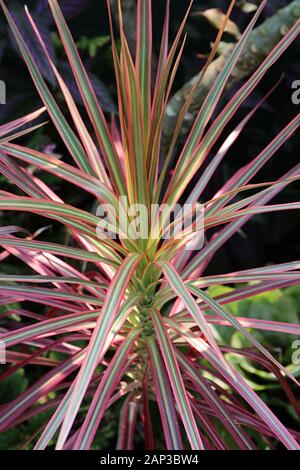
{"points": [[108, 384], [88, 95], [68, 136], [164, 398], [176, 382], [97, 344]]}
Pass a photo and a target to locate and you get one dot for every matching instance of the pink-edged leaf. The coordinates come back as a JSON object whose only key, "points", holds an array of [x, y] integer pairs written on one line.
{"points": [[98, 342], [144, 55], [225, 416], [165, 399], [176, 381], [57, 418], [89, 98], [20, 122], [235, 323], [41, 388], [239, 384], [216, 242], [71, 141], [127, 423], [183, 293], [107, 386], [212, 100]]}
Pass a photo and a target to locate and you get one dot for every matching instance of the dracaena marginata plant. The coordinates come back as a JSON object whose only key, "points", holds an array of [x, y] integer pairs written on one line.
{"points": [[137, 330]]}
